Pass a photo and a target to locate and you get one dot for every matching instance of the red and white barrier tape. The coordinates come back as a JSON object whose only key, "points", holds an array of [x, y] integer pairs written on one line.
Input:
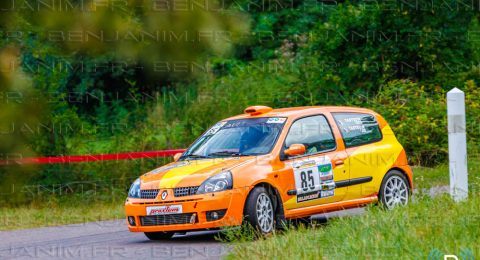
{"points": [[92, 158]]}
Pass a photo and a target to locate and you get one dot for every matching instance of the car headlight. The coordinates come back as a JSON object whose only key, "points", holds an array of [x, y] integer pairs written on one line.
{"points": [[219, 182], [134, 191]]}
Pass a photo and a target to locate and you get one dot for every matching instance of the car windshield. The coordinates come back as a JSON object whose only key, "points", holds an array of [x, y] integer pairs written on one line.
{"points": [[241, 137]]}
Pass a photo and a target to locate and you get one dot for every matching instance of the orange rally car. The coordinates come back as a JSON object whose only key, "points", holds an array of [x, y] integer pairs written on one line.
{"points": [[270, 165]]}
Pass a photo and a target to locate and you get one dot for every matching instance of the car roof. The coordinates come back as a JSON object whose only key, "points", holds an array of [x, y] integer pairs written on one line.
{"points": [[300, 111]]}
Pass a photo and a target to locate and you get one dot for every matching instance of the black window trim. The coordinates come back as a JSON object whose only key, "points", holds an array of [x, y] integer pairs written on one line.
{"points": [[341, 133], [284, 157]]}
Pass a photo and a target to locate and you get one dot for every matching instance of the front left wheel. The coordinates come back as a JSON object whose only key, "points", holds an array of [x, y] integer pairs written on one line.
{"points": [[259, 211]]}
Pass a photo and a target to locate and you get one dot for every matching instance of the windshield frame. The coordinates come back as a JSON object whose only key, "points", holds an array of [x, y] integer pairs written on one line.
{"points": [[187, 152]]}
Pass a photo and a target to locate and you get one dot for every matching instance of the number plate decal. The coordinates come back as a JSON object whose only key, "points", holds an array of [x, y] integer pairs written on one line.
{"points": [[313, 178]]}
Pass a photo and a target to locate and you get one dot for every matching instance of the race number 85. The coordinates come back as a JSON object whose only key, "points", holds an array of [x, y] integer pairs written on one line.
{"points": [[307, 181]]}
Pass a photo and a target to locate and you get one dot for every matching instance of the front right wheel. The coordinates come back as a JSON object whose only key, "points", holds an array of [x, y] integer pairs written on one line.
{"points": [[259, 211], [394, 190]]}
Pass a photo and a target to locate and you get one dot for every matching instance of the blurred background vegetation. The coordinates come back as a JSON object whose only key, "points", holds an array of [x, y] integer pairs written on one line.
{"points": [[90, 77]]}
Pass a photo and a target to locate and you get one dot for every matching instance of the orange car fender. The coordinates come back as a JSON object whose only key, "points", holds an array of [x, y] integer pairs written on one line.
{"points": [[271, 187]]}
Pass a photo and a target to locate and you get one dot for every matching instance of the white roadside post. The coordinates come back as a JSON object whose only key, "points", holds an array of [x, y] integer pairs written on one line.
{"points": [[457, 144]]}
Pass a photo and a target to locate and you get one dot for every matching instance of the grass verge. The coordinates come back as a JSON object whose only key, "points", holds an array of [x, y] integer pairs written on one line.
{"points": [[425, 177], [427, 226], [53, 212], [30, 217]]}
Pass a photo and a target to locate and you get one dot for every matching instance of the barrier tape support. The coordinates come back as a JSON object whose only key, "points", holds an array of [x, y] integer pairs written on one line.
{"points": [[92, 158]]}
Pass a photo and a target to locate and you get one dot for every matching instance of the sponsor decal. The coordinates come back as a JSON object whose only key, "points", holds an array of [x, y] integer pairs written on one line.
{"points": [[315, 195], [164, 210], [326, 178], [327, 193], [313, 179], [308, 196], [276, 120], [304, 164], [325, 169], [215, 128]]}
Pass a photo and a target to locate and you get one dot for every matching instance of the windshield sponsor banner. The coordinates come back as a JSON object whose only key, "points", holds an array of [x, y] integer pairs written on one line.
{"points": [[271, 121], [215, 128], [276, 120]]}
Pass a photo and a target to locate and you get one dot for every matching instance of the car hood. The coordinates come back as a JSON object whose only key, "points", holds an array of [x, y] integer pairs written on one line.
{"points": [[188, 173]]}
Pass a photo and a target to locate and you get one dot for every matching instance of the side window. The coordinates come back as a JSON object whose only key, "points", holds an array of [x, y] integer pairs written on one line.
{"points": [[358, 128], [314, 132]]}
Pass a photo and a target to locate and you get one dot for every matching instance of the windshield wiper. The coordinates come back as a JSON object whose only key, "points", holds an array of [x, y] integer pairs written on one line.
{"points": [[196, 156], [226, 153]]}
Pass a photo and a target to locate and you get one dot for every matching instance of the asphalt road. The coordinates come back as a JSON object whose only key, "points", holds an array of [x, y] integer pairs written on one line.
{"points": [[112, 240], [104, 240]]}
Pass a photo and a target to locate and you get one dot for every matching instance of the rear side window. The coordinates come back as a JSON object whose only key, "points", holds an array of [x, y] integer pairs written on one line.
{"points": [[358, 128], [314, 132]]}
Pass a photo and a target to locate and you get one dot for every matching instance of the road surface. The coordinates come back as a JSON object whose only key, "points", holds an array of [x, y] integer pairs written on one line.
{"points": [[111, 240]]}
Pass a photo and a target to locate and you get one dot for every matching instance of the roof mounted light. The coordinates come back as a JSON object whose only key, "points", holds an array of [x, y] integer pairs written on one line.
{"points": [[257, 110]]}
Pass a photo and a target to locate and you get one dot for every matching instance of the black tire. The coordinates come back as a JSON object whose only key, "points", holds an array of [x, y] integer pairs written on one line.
{"points": [[263, 220], [319, 220], [159, 235], [298, 222], [391, 197]]}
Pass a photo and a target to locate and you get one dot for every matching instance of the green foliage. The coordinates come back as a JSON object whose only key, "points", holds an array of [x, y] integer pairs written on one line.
{"points": [[371, 43], [417, 114], [392, 57], [418, 117]]}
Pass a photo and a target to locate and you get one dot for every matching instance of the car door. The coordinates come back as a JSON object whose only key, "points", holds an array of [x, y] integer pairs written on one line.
{"points": [[311, 177], [368, 156]]}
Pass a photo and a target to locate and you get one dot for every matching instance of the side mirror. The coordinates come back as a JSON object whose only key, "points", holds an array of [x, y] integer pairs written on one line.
{"points": [[177, 156], [295, 149]]}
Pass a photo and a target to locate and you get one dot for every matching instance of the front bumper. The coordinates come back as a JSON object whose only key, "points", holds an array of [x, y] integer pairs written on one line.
{"points": [[231, 200]]}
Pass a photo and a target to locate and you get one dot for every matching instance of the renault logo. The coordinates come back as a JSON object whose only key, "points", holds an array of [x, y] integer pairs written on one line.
{"points": [[164, 194]]}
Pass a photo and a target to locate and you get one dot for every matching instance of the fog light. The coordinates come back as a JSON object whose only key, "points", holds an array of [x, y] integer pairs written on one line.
{"points": [[215, 214], [131, 221], [193, 218]]}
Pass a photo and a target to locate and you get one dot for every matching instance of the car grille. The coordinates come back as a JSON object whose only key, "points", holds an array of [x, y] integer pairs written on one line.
{"points": [[149, 194], [162, 220], [185, 191]]}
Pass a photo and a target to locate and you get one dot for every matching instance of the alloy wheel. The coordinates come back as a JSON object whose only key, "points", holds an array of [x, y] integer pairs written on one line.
{"points": [[395, 192], [264, 210]]}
